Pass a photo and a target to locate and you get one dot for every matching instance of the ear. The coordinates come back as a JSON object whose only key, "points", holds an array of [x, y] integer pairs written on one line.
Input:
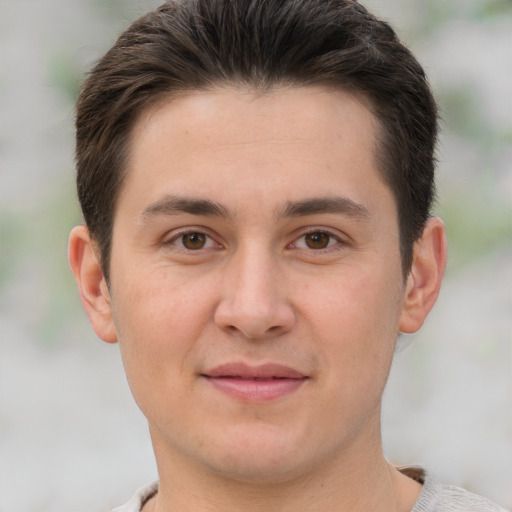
{"points": [[424, 280], [85, 264]]}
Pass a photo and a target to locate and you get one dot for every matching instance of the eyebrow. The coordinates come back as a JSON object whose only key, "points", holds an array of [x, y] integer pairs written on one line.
{"points": [[330, 204], [174, 205]]}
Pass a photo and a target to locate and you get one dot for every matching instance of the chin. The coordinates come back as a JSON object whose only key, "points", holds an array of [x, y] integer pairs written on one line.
{"points": [[263, 471], [259, 455]]}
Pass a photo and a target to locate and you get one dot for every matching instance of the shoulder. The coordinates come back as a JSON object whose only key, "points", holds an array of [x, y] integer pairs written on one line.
{"points": [[454, 499], [437, 497], [139, 498]]}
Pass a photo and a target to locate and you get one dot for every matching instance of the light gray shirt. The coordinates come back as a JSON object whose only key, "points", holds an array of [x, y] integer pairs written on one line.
{"points": [[434, 497]]}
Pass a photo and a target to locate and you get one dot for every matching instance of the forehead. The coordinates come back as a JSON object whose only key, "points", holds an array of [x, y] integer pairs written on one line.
{"points": [[309, 112], [291, 142]]}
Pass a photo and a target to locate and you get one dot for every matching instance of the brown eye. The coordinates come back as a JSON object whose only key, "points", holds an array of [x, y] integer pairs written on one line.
{"points": [[317, 240], [193, 241]]}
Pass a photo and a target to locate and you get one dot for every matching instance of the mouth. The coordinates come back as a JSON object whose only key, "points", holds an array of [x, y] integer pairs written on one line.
{"points": [[255, 383]]}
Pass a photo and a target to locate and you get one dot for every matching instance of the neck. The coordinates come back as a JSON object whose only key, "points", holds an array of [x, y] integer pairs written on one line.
{"points": [[358, 479]]}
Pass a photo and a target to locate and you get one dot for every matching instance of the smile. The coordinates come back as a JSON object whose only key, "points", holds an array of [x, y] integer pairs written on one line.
{"points": [[255, 383]]}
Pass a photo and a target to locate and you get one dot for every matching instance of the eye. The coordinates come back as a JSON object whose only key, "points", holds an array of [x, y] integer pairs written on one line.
{"points": [[316, 240], [193, 241]]}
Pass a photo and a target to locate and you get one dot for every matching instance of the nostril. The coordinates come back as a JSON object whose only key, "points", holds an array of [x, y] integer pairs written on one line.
{"points": [[254, 320]]}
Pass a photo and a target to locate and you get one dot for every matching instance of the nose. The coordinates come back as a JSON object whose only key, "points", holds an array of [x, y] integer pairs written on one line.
{"points": [[254, 303]]}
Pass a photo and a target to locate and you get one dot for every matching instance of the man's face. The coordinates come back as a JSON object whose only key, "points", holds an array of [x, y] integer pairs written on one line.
{"points": [[256, 280]]}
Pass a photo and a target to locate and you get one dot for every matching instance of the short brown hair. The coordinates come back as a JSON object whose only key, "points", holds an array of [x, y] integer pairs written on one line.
{"points": [[198, 44]]}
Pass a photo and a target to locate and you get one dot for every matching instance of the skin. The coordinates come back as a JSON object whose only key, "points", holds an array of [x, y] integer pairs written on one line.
{"points": [[239, 277]]}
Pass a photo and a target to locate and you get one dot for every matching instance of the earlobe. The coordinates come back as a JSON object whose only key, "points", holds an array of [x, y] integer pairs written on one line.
{"points": [[424, 280], [94, 293]]}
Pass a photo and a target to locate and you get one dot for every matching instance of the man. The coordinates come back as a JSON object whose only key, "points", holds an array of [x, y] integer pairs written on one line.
{"points": [[256, 178]]}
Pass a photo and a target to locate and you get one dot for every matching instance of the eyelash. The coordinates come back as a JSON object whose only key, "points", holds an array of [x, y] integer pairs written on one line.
{"points": [[178, 237], [334, 241]]}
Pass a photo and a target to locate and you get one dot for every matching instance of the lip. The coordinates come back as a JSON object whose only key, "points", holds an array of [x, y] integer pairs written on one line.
{"points": [[261, 383]]}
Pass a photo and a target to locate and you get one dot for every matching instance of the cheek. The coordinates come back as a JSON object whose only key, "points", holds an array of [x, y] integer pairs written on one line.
{"points": [[358, 323], [158, 323], [161, 305]]}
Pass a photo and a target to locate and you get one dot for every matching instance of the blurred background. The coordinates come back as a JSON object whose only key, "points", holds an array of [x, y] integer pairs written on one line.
{"points": [[71, 438]]}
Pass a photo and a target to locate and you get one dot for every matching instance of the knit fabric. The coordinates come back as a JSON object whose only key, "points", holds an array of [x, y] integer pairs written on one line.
{"points": [[434, 497]]}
